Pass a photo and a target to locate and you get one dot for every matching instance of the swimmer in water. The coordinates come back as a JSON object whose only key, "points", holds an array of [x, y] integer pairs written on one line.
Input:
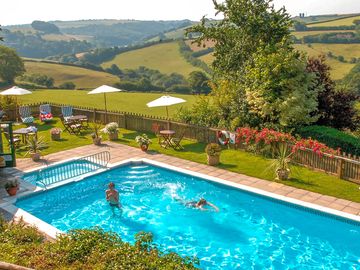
{"points": [[112, 196], [202, 204]]}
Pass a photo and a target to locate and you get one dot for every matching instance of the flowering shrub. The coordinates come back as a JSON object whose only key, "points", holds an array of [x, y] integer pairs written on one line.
{"points": [[111, 128], [55, 131], [261, 138]]}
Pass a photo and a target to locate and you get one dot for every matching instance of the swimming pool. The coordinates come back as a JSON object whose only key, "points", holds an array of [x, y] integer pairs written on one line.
{"points": [[249, 232]]}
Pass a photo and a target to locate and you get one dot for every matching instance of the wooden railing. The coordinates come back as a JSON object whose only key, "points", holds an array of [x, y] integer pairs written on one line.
{"points": [[345, 167]]}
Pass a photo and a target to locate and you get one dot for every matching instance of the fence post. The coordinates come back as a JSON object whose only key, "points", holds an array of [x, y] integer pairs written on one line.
{"points": [[94, 115], [340, 166], [125, 120]]}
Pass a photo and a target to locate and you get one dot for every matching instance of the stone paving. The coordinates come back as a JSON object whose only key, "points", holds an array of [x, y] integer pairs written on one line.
{"points": [[121, 152]]}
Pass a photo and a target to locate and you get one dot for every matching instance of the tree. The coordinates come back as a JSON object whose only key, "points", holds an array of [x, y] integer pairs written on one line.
{"points": [[1, 38], [45, 27], [11, 65], [335, 106], [199, 82], [300, 26]]}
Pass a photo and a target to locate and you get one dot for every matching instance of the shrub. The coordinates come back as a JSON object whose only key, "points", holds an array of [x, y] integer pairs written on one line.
{"points": [[179, 88], [67, 85], [333, 138], [84, 249], [213, 149]]}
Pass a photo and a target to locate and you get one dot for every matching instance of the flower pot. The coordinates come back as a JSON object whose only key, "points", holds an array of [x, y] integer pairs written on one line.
{"points": [[282, 174], [12, 191], [97, 141], [113, 136], [55, 137], [144, 147], [213, 160], [35, 156]]}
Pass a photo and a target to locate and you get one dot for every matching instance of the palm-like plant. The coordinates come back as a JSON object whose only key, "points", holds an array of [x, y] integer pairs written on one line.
{"points": [[281, 164], [34, 146]]}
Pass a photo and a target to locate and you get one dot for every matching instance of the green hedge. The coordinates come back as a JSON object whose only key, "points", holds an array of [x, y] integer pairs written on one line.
{"points": [[332, 138]]}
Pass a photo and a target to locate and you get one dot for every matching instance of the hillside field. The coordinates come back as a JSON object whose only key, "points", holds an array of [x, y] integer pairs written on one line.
{"points": [[164, 57], [339, 22], [82, 77], [123, 101], [312, 33]]}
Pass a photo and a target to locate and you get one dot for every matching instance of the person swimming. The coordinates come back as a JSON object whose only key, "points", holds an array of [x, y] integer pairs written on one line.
{"points": [[112, 196], [201, 204]]}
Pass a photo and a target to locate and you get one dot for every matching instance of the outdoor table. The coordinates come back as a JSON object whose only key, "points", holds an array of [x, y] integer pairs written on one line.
{"points": [[167, 135], [78, 118], [24, 132]]}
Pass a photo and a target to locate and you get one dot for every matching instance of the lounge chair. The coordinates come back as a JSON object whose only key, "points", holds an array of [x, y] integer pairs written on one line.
{"points": [[25, 115], [45, 113], [67, 111]]}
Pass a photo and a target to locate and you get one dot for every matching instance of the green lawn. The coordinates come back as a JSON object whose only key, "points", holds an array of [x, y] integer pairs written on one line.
{"points": [[164, 57], [122, 101], [82, 77], [232, 160]]}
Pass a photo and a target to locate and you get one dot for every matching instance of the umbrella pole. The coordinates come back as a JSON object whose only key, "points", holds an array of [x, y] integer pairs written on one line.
{"points": [[105, 108], [167, 114], [16, 111]]}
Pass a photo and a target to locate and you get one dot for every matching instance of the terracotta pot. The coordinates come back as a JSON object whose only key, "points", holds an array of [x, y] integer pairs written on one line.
{"points": [[35, 156], [144, 147], [55, 137], [97, 141], [213, 160], [282, 174], [113, 136], [12, 191]]}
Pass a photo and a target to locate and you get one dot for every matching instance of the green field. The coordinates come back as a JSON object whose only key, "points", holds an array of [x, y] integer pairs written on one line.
{"points": [[339, 69], [340, 22], [129, 102], [312, 33], [164, 57], [82, 77]]}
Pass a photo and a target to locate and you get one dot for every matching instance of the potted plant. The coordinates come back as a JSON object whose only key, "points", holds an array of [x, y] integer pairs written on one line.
{"points": [[282, 162], [55, 134], [34, 146], [96, 133], [12, 186], [143, 141], [112, 129], [213, 151]]}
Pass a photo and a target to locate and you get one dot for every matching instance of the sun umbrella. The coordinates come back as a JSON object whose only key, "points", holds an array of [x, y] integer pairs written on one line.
{"points": [[165, 101], [15, 91], [103, 90]]}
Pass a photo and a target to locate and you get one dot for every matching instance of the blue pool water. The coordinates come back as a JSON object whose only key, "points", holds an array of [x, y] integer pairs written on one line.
{"points": [[60, 172], [249, 232]]}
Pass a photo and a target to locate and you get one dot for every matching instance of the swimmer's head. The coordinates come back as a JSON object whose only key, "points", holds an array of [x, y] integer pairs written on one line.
{"points": [[202, 201], [111, 185]]}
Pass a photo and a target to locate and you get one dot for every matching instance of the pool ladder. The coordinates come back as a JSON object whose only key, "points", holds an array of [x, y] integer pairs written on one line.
{"points": [[74, 168]]}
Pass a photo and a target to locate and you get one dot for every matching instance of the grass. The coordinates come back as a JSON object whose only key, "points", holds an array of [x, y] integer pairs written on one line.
{"points": [[337, 22], [339, 69], [123, 101], [232, 160], [164, 57], [312, 33], [82, 77], [207, 58]]}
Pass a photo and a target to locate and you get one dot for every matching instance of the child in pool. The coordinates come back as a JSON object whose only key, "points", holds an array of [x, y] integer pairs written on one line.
{"points": [[112, 196]]}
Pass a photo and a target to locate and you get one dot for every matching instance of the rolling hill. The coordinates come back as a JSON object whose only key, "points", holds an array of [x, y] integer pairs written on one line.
{"points": [[164, 57], [337, 22], [82, 77]]}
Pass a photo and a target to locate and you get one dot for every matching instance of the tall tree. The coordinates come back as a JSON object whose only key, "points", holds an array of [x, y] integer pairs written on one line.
{"points": [[199, 82], [1, 38], [11, 65], [251, 85]]}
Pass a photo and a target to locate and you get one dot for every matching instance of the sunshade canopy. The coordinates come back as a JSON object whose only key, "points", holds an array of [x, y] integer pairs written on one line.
{"points": [[165, 101], [15, 91], [104, 89]]}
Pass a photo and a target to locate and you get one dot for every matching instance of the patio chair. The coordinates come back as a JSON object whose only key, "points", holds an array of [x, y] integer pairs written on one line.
{"points": [[45, 113], [71, 126], [176, 140], [156, 128], [15, 140], [25, 115], [67, 111]]}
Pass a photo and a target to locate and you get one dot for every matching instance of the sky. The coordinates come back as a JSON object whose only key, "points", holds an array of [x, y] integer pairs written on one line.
{"points": [[26, 11]]}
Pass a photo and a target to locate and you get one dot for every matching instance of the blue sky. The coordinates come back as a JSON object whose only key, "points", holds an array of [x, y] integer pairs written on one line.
{"points": [[25, 11]]}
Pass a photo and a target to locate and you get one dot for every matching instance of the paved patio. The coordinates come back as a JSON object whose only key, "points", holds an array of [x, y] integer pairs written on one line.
{"points": [[121, 152]]}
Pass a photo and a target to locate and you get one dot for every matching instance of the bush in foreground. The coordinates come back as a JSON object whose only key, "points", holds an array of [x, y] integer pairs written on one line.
{"points": [[84, 249]]}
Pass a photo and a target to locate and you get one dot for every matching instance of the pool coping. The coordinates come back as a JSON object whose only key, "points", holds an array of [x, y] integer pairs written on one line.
{"points": [[52, 232]]}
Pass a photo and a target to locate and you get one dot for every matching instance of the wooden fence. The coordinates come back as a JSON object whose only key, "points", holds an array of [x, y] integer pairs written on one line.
{"points": [[345, 167]]}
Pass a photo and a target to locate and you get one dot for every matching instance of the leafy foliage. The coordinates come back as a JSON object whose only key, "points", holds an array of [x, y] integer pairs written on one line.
{"points": [[333, 138], [67, 85], [84, 249], [11, 65], [199, 82], [39, 79], [45, 27]]}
